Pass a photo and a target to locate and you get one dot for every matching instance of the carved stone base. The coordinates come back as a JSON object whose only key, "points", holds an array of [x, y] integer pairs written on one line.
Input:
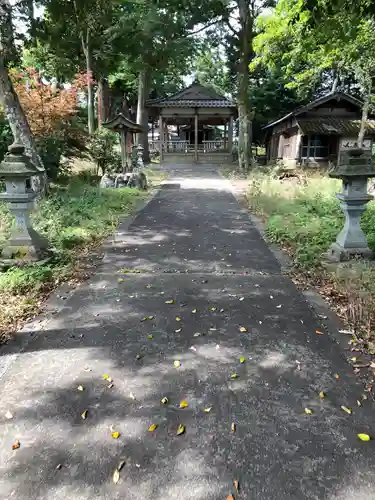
{"points": [[337, 253], [27, 246]]}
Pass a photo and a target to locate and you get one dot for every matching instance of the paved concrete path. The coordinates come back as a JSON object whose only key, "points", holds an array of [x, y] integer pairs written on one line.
{"points": [[193, 245]]}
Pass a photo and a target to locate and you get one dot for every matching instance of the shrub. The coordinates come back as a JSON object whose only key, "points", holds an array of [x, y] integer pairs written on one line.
{"points": [[102, 150]]}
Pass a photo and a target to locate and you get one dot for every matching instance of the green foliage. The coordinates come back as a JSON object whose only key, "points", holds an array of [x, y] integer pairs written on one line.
{"points": [[304, 218], [6, 137], [102, 150], [71, 217]]}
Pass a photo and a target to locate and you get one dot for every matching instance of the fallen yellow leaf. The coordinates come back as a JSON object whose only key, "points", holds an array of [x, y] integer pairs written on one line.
{"points": [[106, 376], [236, 485], [177, 363], [16, 445], [184, 404], [359, 403], [346, 409], [242, 359], [152, 428], [318, 332], [178, 330], [180, 430], [164, 401], [322, 394], [230, 497], [169, 301], [121, 465], [115, 435], [207, 410], [121, 279], [308, 411], [178, 318], [150, 317], [337, 376], [149, 336], [116, 476], [194, 311], [212, 308], [234, 375], [364, 437], [81, 388], [233, 427], [84, 415], [243, 329], [148, 286]]}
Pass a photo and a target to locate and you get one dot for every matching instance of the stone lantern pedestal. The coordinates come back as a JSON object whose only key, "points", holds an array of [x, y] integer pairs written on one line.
{"points": [[25, 243], [354, 169]]}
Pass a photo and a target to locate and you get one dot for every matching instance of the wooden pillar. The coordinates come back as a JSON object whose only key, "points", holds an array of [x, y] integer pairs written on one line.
{"points": [[297, 152], [230, 134], [123, 150], [225, 135], [196, 137], [161, 137]]}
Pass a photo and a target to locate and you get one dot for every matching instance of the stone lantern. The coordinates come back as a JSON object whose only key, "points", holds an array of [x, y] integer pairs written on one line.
{"points": [[123, 126], [17, 169], [140, 150], [354, 168]]}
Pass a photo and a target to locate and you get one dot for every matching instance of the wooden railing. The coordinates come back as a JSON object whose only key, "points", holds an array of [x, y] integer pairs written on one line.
{"points": [[214, 145], [188, 147]]}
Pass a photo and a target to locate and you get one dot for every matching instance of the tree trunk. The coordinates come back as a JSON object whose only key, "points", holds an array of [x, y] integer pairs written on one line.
{"points": [[90, 101], [244, 122], [142, 114], [103, 102], [365, 110], [9, 99]]}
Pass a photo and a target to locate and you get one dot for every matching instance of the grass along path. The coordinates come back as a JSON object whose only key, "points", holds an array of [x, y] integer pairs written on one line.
{"points": [[75, 218], [305, 219]]}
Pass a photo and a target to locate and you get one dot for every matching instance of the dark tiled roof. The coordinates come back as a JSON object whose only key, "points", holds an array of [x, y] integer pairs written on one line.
{"points": [[193, 96], [192, 103], [334, 126], [321, 100]]}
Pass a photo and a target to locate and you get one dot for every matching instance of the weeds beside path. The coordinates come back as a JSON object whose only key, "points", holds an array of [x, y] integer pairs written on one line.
{"points": [[76, 218], [304, 218]]}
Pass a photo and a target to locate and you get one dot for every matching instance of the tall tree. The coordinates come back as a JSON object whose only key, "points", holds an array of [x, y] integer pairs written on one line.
{"points": [[313, 39], [8, 97]]}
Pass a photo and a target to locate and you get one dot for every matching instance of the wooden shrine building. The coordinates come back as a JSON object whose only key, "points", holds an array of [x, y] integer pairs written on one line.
{"points": [[195, 114]]}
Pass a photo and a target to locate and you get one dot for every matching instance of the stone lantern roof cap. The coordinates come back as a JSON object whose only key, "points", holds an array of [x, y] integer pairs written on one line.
{"points": [[17, 164], [358, 164]]}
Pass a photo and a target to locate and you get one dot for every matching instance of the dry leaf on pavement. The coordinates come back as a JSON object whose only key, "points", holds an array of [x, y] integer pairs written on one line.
{"points": [[81, 388], [236, 485], [242, 359], [243, 329], [322, 394], [84, 415], [16, 445], [234, 375], [115, 435], [177, 363], [233, 427], [364, 437], [116, 476], [164, 400], [346, 409], [180, 430], [184, 404], [308, 411], [152, 428]]}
